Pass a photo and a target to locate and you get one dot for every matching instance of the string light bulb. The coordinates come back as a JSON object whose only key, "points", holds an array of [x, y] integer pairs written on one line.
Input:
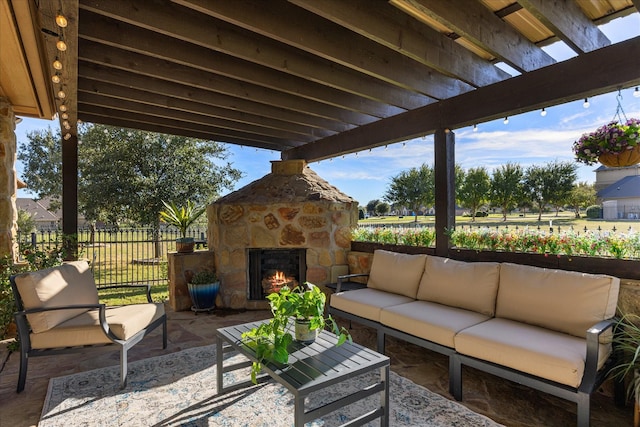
{"points": [[506, 120], [61, 94], [586, 103], [543, 112], [61, 21], [475, 128], [56, 78], [67, 136], [64, 116], [62, 108], [636, 93], [57, 64], [61, 45]]}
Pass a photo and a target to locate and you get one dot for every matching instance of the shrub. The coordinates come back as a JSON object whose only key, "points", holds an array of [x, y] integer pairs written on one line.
{"points": [[594, 212]]}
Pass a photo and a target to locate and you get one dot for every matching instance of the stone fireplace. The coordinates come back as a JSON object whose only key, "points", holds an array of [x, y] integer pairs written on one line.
{"points": [[290, 216]]}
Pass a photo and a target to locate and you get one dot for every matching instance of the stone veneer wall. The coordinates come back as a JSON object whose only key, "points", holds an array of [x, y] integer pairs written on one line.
{"points": [[8, 212], [291, 208]]}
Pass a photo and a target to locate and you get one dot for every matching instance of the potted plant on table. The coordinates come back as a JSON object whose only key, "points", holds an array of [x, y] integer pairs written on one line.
{"points": [[182, 217], [304, 306], [203, 290], [614, 145]]}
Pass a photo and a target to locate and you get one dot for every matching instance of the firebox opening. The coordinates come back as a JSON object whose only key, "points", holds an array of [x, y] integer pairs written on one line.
{"points": [[270, 269]]}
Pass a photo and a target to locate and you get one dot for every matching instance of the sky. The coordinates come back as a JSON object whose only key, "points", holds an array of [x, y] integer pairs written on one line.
{"points": [[527, 139]]}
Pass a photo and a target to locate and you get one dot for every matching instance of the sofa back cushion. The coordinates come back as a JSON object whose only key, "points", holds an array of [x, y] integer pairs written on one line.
{"points": [[469, 285], [565, 301], [67, 284], [395, 272]]}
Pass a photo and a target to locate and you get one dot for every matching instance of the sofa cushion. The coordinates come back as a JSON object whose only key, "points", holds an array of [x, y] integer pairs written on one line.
{"points": [[367, 302], [564, 301], [84, 329], [537, 351], [431, 321], [469, 285], [67, 284], [395, 272]]}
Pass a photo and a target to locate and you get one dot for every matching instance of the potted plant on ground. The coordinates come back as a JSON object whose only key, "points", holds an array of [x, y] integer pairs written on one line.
{"points": [[304, 306], [182, 217], [203, 290], [614, 145]]}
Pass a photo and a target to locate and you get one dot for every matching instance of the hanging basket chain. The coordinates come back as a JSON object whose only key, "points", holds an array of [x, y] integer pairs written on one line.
{"points": [[619, 114]]}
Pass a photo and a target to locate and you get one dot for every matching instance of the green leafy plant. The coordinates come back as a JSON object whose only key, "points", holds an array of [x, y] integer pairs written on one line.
{"points": [[626, 342], [271, 340], [204, 277], [181, 217]]}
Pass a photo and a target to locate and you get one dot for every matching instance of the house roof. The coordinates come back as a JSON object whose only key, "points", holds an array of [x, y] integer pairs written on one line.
{"points": [[627, 187], [37, 210], [312, 79]]}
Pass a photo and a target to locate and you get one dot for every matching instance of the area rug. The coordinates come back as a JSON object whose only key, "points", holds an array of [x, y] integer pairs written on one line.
{"points": [[179, 389]]}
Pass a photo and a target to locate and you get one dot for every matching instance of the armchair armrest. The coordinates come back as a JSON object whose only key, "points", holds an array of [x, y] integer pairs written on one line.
{"points": [[131, 286], [593, 349], [348, 276]]}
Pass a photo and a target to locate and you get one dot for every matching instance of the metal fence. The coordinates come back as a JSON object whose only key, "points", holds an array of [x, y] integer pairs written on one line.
{"points": [[119, 255]]}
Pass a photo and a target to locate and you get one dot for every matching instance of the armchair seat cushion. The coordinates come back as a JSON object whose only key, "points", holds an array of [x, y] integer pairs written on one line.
{"points": [[366, 303], [548, 354], [85, 329]]}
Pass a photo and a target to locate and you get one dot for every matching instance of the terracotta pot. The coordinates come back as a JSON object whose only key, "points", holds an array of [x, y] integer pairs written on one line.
{"points": [[626, 158], [185, 245]]}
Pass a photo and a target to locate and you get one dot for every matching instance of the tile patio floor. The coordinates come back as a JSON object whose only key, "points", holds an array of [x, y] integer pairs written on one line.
{"points": [[503, 401]]}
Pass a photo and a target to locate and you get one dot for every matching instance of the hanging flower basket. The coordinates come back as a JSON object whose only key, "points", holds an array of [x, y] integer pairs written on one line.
{"points": [[613, 145]]}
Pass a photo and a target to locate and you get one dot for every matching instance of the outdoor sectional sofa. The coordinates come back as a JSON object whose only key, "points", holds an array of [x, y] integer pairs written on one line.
{"points": [[545, 328]]}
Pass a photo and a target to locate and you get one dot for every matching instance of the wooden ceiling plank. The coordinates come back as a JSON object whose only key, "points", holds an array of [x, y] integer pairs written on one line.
{"points": [[162, 100], [149, 127], [569, 23], [112, 57], [175, 90], [472, 20], [327, 41], [147, 109], [226, 38], [135, 39], [609, 68], [396, 30], [180, 124]]}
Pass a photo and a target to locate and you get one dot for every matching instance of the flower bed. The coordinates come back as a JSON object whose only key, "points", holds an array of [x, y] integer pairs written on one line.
{"points": [[590, 243]]}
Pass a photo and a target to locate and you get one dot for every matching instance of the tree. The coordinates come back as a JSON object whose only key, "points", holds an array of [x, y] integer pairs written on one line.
{"points": [[474, 191], [413, 189], [42, 160], [371, 206], [506, 183], [549, 184], [26, 222], [126, 174], [382, 208], [581, 196]]}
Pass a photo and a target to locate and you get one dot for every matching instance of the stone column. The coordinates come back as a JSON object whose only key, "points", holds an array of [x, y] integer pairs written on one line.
{"points": [[8, 211]]}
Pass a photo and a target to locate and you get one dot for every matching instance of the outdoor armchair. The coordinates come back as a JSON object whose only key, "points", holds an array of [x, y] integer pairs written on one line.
{"points": [[59, 312]]}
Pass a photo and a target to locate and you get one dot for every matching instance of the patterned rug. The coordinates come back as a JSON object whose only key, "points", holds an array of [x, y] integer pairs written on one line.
{"points": [[179, 389]]}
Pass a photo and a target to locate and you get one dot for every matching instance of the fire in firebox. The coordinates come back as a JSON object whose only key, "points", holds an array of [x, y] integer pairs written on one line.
{"points": [[274, 281]]}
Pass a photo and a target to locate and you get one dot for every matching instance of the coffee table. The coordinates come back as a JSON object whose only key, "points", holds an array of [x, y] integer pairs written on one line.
{"points": [[311, 367]]}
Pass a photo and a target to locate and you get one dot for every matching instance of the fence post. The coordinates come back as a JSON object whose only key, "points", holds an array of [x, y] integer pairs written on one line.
{"points": [[34, 240]]}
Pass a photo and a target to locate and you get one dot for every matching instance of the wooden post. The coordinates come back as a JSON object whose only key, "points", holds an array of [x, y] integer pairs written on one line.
{"points": [[444, 142], [70, 197]]}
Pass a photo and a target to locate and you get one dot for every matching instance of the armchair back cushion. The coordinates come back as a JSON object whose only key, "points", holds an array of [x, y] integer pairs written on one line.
{"points": [[564, 301], [469, 285], [396, 273], [69, 284]]}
